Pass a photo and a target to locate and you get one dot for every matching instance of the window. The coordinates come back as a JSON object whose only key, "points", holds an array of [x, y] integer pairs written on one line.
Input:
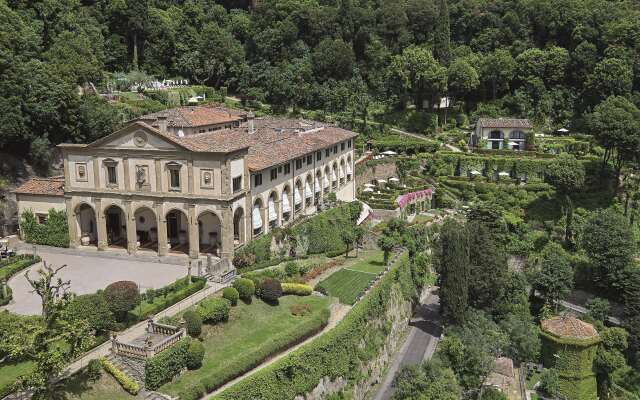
{"points": [[274, 174], [517, 135], [495, 135], [257, 180], [349, 143], [42, 218], [327, 152], [342, 146], [318, 155], [335, 149], [112, 174], [81, 172], [309, 159], [237, 183], [174, 178], [299, 163], [287, 169]]}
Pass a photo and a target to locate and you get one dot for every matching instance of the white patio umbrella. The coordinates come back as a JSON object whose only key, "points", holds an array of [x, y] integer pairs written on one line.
{"points": [[394, 180], [389, 153], [369, 185], [513, 144], [368, 190], [382, 181], [563, 130], [503, 173], [474, 172]]}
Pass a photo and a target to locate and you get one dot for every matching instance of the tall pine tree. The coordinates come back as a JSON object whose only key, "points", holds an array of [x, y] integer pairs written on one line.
{"points": [[453, 265], [442, 34]]}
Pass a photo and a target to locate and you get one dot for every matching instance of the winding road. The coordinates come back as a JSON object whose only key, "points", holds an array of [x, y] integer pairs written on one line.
{"points": [[420, 344]]}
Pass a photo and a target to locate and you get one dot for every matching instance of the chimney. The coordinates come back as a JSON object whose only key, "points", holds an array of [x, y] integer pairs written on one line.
{"points": [[162, 123], [251, 122]]}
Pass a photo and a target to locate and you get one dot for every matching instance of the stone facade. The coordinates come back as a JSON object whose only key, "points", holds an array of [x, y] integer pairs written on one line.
{"points": [[145, 189]]}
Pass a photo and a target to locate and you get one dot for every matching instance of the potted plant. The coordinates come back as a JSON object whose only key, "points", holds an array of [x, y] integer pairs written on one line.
{"points": [[85, 239]]}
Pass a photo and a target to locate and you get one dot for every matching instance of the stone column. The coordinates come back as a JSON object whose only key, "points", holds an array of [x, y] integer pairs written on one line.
{"points": [[194, 241], [132, 237], [278, 205], [67, 175], [101, 225], [227, 233], [127, 177], [96, 173], [71, 221], [248, 223], [158, 169], [162, 230], [264, 212]]}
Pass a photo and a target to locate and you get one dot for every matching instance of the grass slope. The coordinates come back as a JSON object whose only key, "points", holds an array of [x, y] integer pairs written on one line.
{"points": [[346, 284], [253, 333]]}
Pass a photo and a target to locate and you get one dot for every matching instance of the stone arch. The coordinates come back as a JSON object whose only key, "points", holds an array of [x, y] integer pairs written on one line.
{"points": [[238, 226], [257, 221], [273, 210], [341, 172], [287, 202], [86, 226], [334, 176], [298, 198], [326, 181], [308, 190], [177, 230], [317, 187], [209, 232], [116, 223], [349, 170], [146, 228]]}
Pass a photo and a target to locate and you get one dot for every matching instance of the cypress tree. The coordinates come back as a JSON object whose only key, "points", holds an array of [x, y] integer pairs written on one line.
{"points": [[442, 34], [453, 260], [488, 266]]}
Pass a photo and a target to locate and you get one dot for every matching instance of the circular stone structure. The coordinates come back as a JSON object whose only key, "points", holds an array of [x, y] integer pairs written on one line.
{"points": [[569, 345]]}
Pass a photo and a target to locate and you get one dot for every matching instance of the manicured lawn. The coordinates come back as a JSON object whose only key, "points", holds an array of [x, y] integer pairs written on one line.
{"points": [[253, 333], [9, 373], [347, 283], [78, 387]]}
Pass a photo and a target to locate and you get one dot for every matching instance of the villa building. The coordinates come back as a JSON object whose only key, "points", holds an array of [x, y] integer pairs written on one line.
{"points": [[196, 180], [501, 133]]}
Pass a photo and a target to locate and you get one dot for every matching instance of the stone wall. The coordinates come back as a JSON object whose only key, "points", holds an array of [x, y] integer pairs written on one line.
{"points": [[398, 315], [380, 171]]}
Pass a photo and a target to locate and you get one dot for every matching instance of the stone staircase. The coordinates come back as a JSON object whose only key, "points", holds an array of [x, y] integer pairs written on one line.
{"points": [[134, 368]]}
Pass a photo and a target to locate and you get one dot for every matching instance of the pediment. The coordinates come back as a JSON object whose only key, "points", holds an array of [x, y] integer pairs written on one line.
{"points": [[136, 136]]}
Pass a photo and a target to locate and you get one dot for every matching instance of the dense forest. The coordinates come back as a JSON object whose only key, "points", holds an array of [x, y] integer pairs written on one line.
{"points": [[546, 60]]}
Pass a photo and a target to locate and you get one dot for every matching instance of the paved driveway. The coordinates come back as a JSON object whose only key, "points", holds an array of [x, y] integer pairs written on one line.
{"points": [[90, 273]]}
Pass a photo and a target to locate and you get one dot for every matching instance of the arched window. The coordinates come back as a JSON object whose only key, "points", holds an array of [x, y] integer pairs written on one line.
{"points": [[496, 135], [519, 135]]}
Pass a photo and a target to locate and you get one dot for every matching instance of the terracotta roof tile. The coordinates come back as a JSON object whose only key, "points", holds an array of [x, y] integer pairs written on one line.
{"points": [[53, 186], [504, 123], [194, 116], [569, 327]]}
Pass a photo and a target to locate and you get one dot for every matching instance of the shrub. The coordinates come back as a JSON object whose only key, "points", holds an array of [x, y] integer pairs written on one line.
{"points": [[298, 289], [300, 309], [122, 297], [54, 232], [123, 379], [291, 268], [231, 294], [162, 367], [245, 287], [193, 322], [214, 310], [244, 260], [94, 370], [92, 308], [195, 354], [271, 290], [18, 264], [160, 299]]}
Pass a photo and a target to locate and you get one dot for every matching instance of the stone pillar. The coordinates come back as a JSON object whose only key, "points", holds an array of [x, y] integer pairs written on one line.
{"points": [[190, 176], [194, 241], [278, 205], [162, 230], [227, 233], [158, 168], [248, 224], [132, 237], [225, 172], [264, 212], [74, 240], [101, 225], [127, 176], [67, 175], [96, 173]]}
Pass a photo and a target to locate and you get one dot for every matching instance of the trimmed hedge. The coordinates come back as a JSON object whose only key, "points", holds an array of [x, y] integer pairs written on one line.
{"points": [[271, 290], [195, 355], [297, 289], [193, 322], [338, 353], [214, 310], [20, 263], [54, 232], [161, 368], [245, 287], [167, 296], [231, 294], [123, 379]]}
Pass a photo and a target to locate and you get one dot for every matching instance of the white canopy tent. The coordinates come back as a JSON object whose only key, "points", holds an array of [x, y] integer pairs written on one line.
{"points": [[286, 207], [256, 217], [297, 199], [273, 215], [307, 190]]}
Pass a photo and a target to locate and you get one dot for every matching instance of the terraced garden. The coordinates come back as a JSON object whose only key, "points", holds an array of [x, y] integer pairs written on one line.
{"points": [[347, 283]]}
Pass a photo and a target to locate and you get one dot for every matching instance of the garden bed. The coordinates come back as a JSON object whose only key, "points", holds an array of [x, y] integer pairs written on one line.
{"points": [[253, 333], [348, 283]]}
